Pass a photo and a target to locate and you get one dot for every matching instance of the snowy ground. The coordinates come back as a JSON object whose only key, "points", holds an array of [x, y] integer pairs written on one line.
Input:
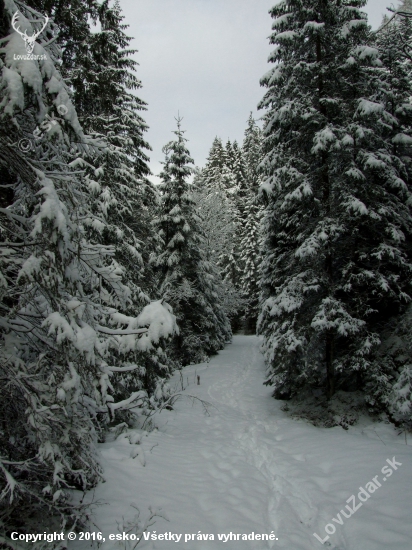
{"points": [[249, 468]]}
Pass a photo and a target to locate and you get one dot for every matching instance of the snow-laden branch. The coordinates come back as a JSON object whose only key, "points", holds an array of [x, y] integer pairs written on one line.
{"points": [[114, 332], [135, 400]]}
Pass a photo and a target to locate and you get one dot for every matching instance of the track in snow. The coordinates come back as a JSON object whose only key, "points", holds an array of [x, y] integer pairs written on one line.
{"points": [[249, 468]]}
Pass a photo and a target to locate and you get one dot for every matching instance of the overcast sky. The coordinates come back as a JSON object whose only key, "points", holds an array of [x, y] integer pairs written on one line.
{"points": [[203, 59]]}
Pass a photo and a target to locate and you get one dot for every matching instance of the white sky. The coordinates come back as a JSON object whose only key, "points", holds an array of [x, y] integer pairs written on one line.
{"points": [[203, 59]]}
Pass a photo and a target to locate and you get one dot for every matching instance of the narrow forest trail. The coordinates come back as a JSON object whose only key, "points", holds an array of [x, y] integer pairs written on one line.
{"points": [[247, 467]]}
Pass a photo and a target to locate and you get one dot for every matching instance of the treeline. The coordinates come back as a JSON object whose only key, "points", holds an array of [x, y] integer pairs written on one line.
{"points": [[227, 195], [337, 260]]}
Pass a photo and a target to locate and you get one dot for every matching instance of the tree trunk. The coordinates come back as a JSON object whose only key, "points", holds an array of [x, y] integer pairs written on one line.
{"points": [[330, 371], [326, 187]]}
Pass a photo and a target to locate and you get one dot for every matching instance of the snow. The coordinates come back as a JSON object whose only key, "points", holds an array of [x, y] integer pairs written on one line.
{"points": [[313, 26], [12, 91], [30, 266], [354, 24], [20, 73], [84, 337], [286, 35], [281, 20], [161, 323], [356, 206], [11, 482], [402, 139], [365, 52], [322, 140], [135, 400], [367, 108], [332, 315], [246, 467], [52, 208]]}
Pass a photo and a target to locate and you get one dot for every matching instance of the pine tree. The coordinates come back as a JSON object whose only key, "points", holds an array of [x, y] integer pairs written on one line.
{"points": [[239, 172], [335, 261], [100, 70], [122, 195], [227, 182], [229, 155], [187, 279], [215, 197], [215, 211]]}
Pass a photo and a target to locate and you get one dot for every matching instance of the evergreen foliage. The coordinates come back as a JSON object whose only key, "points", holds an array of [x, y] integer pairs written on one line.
{"points": [[250, 243], [188, 280], [109, 110], [227, 197], [250, 248], [336, 262], [392, 41], [70, 354], [217, 227], [305, 229], [252, 152]]}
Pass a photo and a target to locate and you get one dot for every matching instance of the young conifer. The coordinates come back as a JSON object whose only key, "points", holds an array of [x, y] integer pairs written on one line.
{"points": [[187, 280]]}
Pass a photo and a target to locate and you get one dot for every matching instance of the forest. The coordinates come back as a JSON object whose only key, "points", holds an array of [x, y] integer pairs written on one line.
{"points": [[111, 285]]}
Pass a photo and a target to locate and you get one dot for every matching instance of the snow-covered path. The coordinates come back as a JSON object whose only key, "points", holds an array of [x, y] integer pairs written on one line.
{"points": [[248, 467]]}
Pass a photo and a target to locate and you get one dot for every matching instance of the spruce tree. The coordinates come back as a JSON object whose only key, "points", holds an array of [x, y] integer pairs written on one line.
{"points": [[240, 173], [216, 221], [250, 257], [72, 30], [335, 260], [252, 152], [121, 194], [110, 110], [65, 345], [395, 91], [250, 242], [229, 155], [214, 164], [187, 279]]}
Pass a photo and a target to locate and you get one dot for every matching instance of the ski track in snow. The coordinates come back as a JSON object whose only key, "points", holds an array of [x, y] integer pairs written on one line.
{"points": [[248, 467]]}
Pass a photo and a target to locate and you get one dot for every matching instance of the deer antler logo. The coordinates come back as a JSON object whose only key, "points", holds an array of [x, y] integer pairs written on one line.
{"points": [[28, 40]]}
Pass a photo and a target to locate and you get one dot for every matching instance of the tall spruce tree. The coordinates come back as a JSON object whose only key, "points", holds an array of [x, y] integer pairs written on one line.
{"points": [[250, 257], [216, 221], [187, 278], [65, 346], [72, 31], [250, 242], [252, 152], [394, 41], [109, 109], [211, 176], [104, 86], [335, 260]]}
